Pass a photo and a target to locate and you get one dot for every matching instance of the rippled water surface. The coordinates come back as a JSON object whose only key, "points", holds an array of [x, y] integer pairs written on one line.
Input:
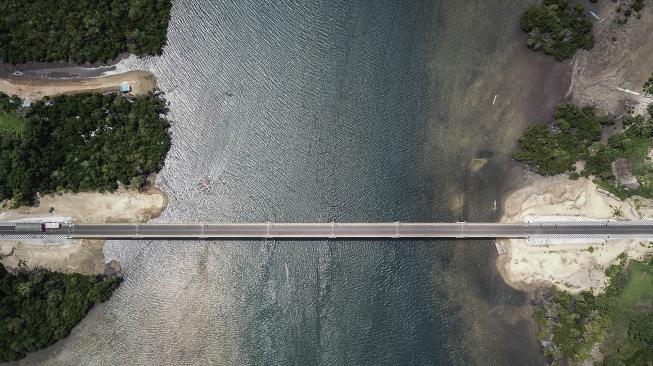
{"points": [[325, 111]]}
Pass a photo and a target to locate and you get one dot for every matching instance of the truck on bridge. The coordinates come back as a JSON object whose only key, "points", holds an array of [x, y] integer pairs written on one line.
{"points": [[36, 226], [29, 226]]}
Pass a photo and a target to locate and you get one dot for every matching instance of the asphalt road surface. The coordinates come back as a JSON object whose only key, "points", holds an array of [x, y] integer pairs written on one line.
{"points": [[576, 229]]}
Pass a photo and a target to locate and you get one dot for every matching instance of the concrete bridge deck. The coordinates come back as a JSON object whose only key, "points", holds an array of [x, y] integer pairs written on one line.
{"points": [[577, 229]]}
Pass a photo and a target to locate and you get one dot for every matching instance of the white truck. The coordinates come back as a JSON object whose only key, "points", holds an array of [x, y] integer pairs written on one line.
{"points": [[51, 225]]}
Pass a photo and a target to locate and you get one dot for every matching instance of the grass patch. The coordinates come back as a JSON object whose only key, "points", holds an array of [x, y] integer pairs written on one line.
{"points": [[609, 186], [11, 124], [638, 289]]}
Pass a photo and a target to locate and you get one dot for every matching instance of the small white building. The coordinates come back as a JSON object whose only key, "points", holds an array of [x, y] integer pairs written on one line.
{"points": [[125, 87]]}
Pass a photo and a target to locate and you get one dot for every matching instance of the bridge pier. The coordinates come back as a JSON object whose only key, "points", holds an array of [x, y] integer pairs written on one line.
{"points": [[462, 234]]}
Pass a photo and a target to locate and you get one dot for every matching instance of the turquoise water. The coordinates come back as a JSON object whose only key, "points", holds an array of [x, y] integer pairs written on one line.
{"points": [[339, 111]]}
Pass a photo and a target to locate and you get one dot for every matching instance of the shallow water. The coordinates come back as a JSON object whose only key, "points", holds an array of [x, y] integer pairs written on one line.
{"points": [[346, 111]]}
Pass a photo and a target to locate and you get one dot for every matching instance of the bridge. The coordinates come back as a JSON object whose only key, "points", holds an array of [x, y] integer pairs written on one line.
{"points": [[604, 230]]}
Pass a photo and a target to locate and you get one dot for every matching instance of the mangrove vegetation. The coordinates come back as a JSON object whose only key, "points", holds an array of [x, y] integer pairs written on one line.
{"points": [[621, 164], [39, 307], [557, 28], [81, 31]]}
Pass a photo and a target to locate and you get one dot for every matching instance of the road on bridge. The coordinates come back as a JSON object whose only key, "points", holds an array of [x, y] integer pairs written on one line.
{"points": [[576, 229]]}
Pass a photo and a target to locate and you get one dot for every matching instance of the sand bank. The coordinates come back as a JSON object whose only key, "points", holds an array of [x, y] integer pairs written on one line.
{"points": [[571, 266], [141, 82], [83, 256]]}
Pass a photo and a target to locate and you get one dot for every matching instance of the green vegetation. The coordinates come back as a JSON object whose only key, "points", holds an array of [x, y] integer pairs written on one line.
{"points": [[637, 5], [10, 123], [81, 31], [575, 135], [553, 149], [79, 143], [620, 320], [557, 28], [38, 308], [625, 11]]}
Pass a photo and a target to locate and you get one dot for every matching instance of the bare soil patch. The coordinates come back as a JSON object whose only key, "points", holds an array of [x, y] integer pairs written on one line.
{"points": [[624, 173], [94, 207], [141, 82], [83, 256], [612, 74]]}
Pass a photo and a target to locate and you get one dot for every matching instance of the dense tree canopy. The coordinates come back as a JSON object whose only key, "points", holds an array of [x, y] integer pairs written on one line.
{"points": [[38, 308], [81, 142], [557, 28], [81, 30], [553, 149]]}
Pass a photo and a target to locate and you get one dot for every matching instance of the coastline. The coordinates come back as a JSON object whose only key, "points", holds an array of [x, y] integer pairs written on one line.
{"points": [[124, 205], [605, 77], [70, 68], [115, 139]]}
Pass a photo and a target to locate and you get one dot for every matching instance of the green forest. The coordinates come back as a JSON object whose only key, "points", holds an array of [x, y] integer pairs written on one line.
{"points": [[40, 307], [557, 28], [620, 319], [81, 30], [79, 142], [575, 134]]}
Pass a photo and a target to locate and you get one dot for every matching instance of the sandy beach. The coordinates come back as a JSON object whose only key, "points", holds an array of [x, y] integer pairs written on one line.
{"points": [[93, 207], [141, 82]]}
